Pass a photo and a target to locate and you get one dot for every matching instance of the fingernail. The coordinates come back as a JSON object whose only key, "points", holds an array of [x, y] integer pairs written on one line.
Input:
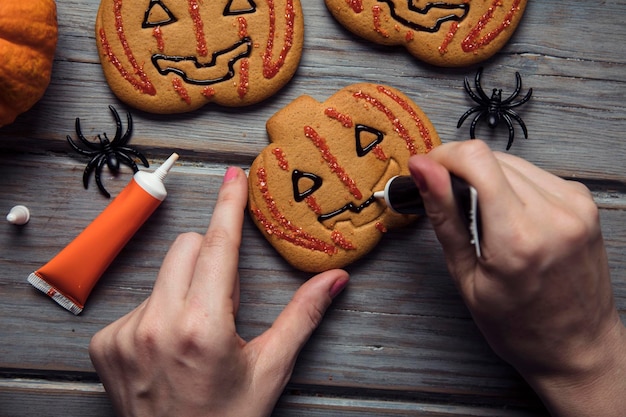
{"points": [[231, 174], [338, 287]]}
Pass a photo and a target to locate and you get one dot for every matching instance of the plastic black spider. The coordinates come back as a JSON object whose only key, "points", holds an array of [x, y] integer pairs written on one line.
{"points": [[494, 108], [112, 152]]}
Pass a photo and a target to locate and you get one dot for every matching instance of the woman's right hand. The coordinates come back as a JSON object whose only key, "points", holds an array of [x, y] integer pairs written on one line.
{"points": [[541, 291]]}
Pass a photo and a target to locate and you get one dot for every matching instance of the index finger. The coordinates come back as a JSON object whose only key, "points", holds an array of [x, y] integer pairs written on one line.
{"points": [[215, 277], [474, 161]]}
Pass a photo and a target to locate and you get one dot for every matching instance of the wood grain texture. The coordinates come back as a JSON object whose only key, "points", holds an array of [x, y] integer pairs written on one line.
{"points": [[399, 341]]}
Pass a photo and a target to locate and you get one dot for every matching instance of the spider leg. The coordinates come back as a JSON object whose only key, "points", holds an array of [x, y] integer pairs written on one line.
{"points": [[118, 124], [90, 166], [129, 130], [522, 101], [119, 139], [509, 124], [125, 159], [519, 120], [471, 93], [466, 115], [80, 150], [83, 139], [475, 122], [479, 87], [135, 152], [98, 180], [518, 88]]}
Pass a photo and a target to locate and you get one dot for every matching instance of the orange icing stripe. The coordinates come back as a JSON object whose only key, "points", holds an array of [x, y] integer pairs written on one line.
{"points": [[271, 68], [332, 161], [281, 158], [344, 119], [194, 11], [313, 205], [379, 152], [243, 27], [284, 229], [377, 12], [443, 49], [355, 5], [244, 78], [208, 92], [244, 67], [158, 35], [142, 84], [424, 132], [180, 89], [398, 126], [471, 42], [341, 241]]}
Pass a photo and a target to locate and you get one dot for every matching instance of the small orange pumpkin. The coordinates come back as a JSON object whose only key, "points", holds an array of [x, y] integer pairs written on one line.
{"points": [[28, 39]]}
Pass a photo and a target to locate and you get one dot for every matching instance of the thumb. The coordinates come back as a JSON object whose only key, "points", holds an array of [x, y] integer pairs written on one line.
{"points": [[293, 327], [306, 309], [276, 350]]}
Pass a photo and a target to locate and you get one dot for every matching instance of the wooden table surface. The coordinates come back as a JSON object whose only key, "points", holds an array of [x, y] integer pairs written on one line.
{"points": [[399, 341]]}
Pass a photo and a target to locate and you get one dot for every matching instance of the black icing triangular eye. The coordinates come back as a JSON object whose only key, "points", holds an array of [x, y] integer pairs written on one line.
{"points": [[304, 184], [237, 7], [366, 139], [157, 14]]}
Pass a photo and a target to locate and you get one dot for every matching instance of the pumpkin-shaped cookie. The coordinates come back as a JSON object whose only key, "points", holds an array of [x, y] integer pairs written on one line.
{"points": [[311, 189], [449, 33], [174, 56]]}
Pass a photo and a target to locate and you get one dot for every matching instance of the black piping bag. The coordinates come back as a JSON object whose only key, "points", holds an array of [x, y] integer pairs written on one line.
{"points": [[402, 196]]}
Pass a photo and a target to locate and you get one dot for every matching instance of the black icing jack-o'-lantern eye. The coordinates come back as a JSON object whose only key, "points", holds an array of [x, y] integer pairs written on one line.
{"points": [[239, 7], [366, 139], [304, 184], [157, 14]]}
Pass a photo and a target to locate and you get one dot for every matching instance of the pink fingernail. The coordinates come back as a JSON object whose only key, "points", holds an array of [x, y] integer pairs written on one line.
{"points": [[338, 287], [231, 174]]}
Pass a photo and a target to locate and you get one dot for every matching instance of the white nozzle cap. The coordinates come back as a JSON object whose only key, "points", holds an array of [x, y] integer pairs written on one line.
{"points": [[161, 172], [152, 182], [19, 215]]}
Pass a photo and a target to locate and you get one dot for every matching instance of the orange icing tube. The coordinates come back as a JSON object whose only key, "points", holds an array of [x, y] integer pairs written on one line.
{"points": [[71, 275]]}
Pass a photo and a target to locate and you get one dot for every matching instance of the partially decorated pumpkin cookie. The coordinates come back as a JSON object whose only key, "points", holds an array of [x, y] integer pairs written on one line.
{"points": [[311, 189], [445, 33], [174, 56]]}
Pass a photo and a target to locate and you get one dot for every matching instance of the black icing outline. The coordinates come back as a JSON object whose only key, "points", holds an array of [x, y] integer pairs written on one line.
{"points": [[157, 58], [425, 10], [148, 24]]}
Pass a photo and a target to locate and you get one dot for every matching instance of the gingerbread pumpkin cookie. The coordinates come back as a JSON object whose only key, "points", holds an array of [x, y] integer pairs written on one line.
{"points": [[311, 189], [174, 56], [446, 33]]}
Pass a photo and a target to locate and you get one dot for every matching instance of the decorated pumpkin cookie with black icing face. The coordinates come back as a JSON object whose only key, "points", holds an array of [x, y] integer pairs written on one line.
{"points": [[449, 33], [311, 189], [174, 56]]}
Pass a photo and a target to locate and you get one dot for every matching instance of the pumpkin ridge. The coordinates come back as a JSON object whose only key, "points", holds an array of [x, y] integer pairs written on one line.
{"points": [[28, 38]]}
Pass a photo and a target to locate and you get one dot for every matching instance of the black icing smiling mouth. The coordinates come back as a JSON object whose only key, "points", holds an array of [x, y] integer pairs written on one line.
{"points": [[220, 68], [329, 219], [441, 13], [351, 207]]}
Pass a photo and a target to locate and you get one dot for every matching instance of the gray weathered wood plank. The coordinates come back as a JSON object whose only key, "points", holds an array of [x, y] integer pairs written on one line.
{"points": [[22, 398], [399, 341]]}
